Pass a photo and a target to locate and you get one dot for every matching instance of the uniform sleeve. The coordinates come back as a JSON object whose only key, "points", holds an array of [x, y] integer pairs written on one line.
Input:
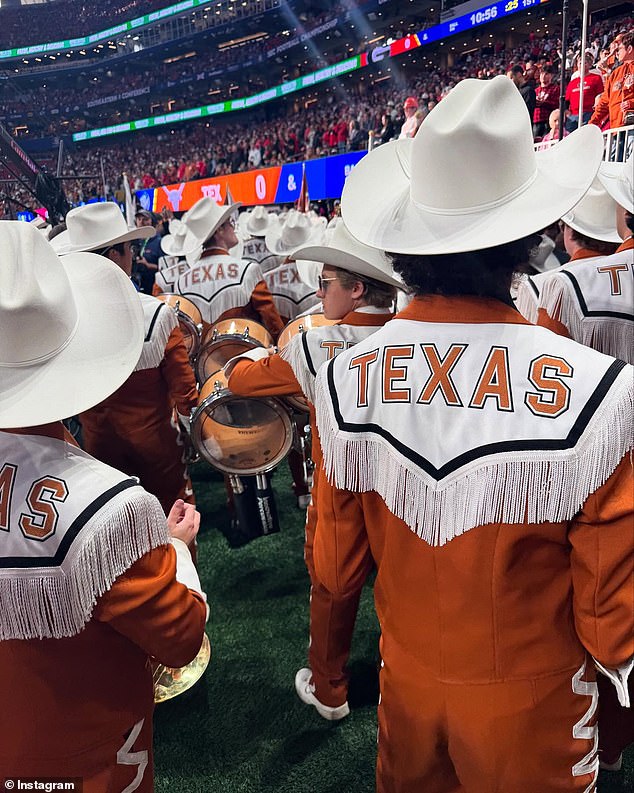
{"points": [[341, 548], [271, 376], [178, 373], [602, 563], [263, 304], [545, 321], [553, 295], [148, 606], [602, 107]]}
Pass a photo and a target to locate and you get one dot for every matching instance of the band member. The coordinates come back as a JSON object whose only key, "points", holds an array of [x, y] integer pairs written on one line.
{"points": [[591, 300], [483, 462], [173, 263], [93, 580], [593, 305], [357, 288], [134, 428], [255, 226], [221, 286], [589, 233]]}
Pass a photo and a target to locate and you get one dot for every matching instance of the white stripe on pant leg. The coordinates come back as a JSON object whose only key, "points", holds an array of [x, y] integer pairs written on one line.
{"points": [[590, 763], [126, 757]]}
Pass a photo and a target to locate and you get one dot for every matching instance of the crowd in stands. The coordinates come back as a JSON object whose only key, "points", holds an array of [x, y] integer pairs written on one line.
{"points": [[32, 24], [332, 123]]}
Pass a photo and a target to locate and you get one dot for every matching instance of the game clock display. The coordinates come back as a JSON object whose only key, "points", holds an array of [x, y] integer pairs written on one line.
{"points": [[480, 17]]}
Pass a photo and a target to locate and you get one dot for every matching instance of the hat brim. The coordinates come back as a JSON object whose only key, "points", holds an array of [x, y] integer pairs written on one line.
{"points": [[345, 261], [141, 233], [588, 230], [610, 176], [98, 359], [378, 210], [272, 222], [309, 272], [170, 247], [274, 242]]}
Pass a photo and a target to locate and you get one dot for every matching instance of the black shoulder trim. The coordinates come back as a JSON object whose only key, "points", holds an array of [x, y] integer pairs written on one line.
{"points": [[584, 306], [309, 360], [71, 535], [492, 448], [153, 322]]}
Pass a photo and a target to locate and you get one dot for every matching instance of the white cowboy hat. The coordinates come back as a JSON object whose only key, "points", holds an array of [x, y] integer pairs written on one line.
{"points": [[71, 329], [470, 179], [345, 252], [94, 227], [178, 242], [205, 217], [296, 230], [60, 243], [618, 180], [595, 215], [259, 221]]}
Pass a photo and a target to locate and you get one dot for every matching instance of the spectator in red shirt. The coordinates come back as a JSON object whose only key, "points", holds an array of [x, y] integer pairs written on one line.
{"points": [[546, 100], [592, 87]]}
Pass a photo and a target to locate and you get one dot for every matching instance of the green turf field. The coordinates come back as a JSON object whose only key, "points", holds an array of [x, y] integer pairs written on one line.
{"points": [[242, 728]]}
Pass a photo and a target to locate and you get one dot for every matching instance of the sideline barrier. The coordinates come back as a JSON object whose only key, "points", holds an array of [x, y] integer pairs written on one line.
{"points": [[325, 178]]}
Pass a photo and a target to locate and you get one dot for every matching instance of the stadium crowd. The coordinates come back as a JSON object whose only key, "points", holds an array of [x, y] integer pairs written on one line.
{"points": [[330, 120], [330, 125]]}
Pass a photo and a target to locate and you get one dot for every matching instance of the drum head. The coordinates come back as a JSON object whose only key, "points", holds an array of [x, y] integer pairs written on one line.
{"points": [[240, 435], [214, 354]]}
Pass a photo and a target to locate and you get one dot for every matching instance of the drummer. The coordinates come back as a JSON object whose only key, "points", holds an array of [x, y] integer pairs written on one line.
{"points": [[254, 226], [358, 288], [132, 429], [291, 295], [174, 262], [221, 286]]}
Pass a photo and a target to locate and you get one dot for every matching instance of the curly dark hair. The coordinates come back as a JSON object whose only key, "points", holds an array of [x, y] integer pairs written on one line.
{"points": [[484, 273]]}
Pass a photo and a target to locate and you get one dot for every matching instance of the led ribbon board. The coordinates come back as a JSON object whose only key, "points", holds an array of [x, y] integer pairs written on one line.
{"points": [[278, 91], [405, 44], [325, 178], [103, 35]]}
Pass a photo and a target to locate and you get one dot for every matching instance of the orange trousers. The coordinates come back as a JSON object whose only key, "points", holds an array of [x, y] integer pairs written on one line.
{"points": [[523, 736], [332, 619], [132, 769]]}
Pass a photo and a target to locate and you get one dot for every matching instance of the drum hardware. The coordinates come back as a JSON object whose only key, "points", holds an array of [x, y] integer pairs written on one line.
{"points": [[236, 485], [169, 683], [305, 450]]}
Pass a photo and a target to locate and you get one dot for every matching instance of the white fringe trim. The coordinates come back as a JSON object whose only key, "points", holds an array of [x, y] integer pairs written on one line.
{"points": [[45, 603], [295, 357], [608, 335], [522, 487], [235, 295], [153, 350], [526, 301]]}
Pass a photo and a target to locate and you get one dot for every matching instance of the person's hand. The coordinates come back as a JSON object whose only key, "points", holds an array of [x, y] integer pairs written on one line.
{"points": [[183, 521]]}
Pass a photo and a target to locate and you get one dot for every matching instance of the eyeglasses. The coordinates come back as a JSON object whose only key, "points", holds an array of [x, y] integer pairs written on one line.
{"points": [[323, 282]]}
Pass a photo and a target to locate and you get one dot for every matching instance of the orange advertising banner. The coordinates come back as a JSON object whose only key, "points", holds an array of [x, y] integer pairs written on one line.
{"points": [[250, 187]]}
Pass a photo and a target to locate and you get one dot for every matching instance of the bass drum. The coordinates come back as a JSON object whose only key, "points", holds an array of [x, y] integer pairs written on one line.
{"points": [[240, 435], [299, 325], [228, 338], [190, 321]]}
